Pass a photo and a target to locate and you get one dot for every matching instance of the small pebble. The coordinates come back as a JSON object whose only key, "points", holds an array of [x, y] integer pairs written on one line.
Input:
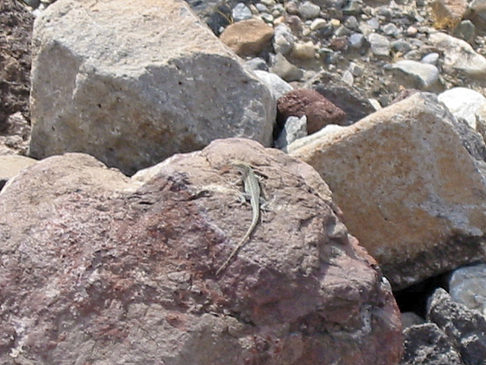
{"points": [[352, 23], [317, 24], [241, 12], [430, 58], [391, 29], [356, 40], [355, 69], [262, 8], [304, 50], [348, 78], [373, 23], [268, 2], [267, 18], [335, 23], [308, 10], [412, 31]]}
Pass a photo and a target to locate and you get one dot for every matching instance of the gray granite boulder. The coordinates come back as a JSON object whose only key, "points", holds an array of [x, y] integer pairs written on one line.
{"points": [[134, 84]]}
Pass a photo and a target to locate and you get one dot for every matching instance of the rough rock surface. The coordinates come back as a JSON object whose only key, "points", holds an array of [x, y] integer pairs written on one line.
{"points": [[409, 190], [99, 268], [426, 344], [15, 37], [247, 37], [318, 110], [138, 83], [465, 328], [15, 135]]}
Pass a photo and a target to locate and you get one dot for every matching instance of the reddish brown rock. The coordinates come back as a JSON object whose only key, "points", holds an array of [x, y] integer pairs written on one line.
{"points": [[15, 37], [100, 268], [318, 110], [247, 37]]}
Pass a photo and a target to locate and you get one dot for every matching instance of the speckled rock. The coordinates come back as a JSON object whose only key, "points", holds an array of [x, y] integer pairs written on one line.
{"points": [[426, 344]]}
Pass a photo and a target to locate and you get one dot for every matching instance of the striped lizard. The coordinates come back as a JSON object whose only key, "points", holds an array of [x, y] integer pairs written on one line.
{"points": [[252, 189]]}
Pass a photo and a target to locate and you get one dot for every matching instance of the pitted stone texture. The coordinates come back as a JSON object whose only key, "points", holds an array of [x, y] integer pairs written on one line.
{"points": [[247, 37], [426, 344], [409, 189], [134, 84], [318, 110], [98, 268], [465, 328], [15, 37]]}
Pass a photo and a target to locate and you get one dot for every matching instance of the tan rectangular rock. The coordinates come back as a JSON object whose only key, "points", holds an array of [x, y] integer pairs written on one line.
{"points": [[409, 190]]}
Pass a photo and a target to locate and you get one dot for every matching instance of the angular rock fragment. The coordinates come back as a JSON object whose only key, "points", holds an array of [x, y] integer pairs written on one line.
{"points": [[97, 267], [465, 328], [448, 13], [419, 75], [409, 189], [247, 37], [426, 344], [134, 84]]}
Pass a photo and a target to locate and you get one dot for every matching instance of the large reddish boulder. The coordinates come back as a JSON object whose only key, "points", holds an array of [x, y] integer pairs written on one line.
{"points": [[99, 268]]}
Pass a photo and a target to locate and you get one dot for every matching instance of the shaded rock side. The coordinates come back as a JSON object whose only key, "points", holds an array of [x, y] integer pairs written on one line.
{"points": [[15, 37], [99, 268], [409, 189], [135, 84]]}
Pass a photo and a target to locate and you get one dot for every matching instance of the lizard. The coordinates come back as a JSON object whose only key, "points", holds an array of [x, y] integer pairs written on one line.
{"points": [[252, 189]]}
